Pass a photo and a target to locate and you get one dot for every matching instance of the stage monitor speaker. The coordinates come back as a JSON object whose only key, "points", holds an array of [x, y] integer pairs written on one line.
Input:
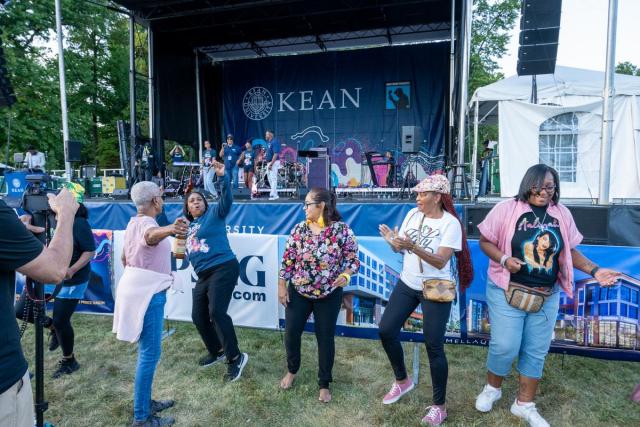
{"points": [[592, 222], [242, 193], [474, 215], [120, 194], [412, 138], [72, 153], [539, 31]]}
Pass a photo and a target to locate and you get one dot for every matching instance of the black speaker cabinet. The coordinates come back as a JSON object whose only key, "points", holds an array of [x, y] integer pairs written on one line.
{"points": [[473, 215], [73, 151], [592, 222]]}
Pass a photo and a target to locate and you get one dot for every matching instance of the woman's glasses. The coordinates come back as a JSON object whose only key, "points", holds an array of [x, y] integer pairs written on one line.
{"points": [[547, 188], [305, 205]]}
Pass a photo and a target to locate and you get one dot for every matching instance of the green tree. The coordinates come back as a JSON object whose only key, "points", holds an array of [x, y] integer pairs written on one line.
{"points": [[627, 68]]}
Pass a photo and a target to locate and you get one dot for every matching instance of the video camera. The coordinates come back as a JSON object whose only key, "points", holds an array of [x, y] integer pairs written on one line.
{"points": [[35, 197]]}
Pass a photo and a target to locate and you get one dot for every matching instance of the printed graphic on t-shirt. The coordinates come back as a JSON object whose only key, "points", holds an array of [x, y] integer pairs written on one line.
{"points": [[193, 244], [424, 238]]}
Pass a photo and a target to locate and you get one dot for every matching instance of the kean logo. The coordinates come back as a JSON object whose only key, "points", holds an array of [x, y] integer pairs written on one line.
{"points": [[257, 103]]}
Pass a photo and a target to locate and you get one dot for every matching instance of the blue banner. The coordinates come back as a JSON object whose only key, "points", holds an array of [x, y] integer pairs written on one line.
{"points": [[351, 102]]}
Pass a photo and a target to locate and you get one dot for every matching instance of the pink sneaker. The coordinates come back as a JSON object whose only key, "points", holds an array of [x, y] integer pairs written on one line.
{"points": [[397, 391], [435, 416]]}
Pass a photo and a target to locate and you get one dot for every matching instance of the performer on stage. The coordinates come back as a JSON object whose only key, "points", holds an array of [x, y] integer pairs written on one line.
{"points": [[34, 160], [391, 171], [319, 258], [208, 173], [531, 241], [141, 296], [230, 154], [428, 237], [177, 155], [271, 156], [218, 270], [247, 162]]}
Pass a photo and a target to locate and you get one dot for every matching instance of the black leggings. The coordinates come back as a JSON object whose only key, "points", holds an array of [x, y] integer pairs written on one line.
{"points": [[325, 315], [402, 302], [63, 309], [211, 299]]}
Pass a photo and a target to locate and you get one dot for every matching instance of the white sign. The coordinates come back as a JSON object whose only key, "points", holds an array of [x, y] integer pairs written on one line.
{"points": [[254, 301]]}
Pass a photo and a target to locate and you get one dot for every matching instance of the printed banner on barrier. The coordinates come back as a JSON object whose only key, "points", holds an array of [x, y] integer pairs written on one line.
{"points": [[254, 301]]}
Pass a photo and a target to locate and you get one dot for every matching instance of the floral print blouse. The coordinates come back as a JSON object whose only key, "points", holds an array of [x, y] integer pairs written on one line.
{"points": [[311, 263]]}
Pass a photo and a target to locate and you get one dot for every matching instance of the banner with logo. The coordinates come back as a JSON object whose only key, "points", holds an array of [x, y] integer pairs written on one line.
{"points": [[254, 301], [350, 102]]}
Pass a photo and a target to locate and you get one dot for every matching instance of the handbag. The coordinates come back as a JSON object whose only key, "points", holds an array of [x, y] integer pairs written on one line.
{"points": [[526, 298], [436, 290]]}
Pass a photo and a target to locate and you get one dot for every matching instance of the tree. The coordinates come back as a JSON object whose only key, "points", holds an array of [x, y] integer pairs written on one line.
{"points": [[627, 68]]}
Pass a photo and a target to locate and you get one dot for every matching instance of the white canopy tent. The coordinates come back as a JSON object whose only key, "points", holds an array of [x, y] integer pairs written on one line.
{"points": [[563, 130]]}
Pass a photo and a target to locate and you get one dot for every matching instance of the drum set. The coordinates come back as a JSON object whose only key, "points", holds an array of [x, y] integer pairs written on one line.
{"points": [[290, 175]]}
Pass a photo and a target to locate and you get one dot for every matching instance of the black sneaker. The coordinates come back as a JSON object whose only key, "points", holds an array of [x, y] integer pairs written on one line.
{"points": [[209, 360], [53, 340], [160, 405], [234, 369], [154, 421], [66, 367]]}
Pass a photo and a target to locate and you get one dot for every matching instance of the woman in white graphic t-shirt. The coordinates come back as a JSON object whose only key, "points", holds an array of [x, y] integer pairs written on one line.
{"points": [[428, 238]]}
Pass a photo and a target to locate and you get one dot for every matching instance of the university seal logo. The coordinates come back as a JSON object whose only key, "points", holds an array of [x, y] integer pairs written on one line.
{"points": [[257, 103]]}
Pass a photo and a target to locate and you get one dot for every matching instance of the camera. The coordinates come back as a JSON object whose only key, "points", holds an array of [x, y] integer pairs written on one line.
{"points": [[35, 197]]}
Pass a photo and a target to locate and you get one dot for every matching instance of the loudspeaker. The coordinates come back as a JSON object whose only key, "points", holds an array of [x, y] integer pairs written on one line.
{"points": [[242, 193], [72, 153], [592, 222], [88, 171], [474, 215], [120, 194], [539, 31], [412, 138]]}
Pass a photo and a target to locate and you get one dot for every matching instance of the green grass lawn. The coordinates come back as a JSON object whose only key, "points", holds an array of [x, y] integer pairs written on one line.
{"points": [[580, 392]]}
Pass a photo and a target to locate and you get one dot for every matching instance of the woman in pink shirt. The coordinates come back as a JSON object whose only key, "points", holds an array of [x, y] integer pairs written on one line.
{"points": [[531, 241], [141, 295]]}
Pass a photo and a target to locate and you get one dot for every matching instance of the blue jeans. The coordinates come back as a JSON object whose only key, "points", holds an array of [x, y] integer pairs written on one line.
{"points": [[233, 176], [518, 333], [209, 178], [149, 347]]}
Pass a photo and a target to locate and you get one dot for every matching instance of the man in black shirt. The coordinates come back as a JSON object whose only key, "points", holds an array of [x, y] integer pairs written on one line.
{"points": [[21, 251]]}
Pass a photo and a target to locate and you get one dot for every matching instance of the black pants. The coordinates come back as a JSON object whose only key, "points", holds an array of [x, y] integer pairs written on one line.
{"points": [[211, 298], [402, 302], [325, 314], [63, 309]]}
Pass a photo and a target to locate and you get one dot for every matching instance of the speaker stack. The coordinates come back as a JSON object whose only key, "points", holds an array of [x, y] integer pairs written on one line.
{"points": [[539, 31]]}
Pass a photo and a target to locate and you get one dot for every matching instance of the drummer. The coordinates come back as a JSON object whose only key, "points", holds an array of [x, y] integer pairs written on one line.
{"points": [[247, 163]]}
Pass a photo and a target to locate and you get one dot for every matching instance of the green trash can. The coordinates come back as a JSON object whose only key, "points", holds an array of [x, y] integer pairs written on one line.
{"points": [[95, 187]]}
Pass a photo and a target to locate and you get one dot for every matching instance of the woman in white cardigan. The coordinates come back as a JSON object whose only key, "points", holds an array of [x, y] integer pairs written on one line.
{"points": [[141, 295]]}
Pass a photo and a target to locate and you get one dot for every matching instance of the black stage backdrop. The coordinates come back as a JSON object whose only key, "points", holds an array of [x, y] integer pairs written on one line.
{"points": [[349, 101]]}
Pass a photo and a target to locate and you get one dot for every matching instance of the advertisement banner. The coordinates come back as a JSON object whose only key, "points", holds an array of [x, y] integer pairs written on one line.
{"points": [[254, 301]]}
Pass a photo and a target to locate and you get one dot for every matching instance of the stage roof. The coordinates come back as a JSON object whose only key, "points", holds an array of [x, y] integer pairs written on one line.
{"points": [[237, 29]]}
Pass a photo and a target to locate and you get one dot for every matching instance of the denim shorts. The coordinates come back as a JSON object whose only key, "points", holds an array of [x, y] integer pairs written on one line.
{"points": [[516, 333]]}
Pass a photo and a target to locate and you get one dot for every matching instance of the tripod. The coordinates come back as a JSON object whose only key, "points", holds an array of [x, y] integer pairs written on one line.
{"points": [[409, 177]]}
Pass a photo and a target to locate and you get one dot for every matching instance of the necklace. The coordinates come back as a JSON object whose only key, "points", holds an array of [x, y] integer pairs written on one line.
{"points": [[540, 223]]}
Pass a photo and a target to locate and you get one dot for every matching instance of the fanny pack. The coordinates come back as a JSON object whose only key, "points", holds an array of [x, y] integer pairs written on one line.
{"points": [[439, 290], [526, 298]]}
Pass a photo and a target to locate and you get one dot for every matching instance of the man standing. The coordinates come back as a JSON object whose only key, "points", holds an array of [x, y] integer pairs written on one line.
{"points": [[273, 165], [34, 159], [208, 173], [21, 251], [230, 153]]}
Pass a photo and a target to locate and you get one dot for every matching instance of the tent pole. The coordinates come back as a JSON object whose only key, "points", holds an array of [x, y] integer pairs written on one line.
{"points": [[459, 187], [150, 81], [474, 157], [198, 106], [63, 93], [132, 98], [607, 107], [452, 79]]}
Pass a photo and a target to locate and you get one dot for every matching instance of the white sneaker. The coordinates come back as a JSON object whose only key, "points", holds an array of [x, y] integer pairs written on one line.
{"points": [[529, 413], [486, 398], [274, 197]]}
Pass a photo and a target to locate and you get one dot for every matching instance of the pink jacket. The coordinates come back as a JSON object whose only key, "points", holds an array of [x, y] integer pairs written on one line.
{"points": [[499, 227], [134, 292]]}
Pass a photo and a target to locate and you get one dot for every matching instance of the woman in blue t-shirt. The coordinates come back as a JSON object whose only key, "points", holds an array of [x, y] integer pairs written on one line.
{"points": [[217, 268]]}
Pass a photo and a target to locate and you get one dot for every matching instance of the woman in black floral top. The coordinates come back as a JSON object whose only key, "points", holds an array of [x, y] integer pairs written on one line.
{"points": [[320, 256]]}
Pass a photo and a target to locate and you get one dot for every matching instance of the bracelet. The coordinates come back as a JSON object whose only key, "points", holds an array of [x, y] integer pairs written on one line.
{"points": [[594, 270], [504, 259], [346, 276]]}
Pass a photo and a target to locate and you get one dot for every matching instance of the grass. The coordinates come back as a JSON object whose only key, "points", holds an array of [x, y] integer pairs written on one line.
{"points": [[580, 391]]}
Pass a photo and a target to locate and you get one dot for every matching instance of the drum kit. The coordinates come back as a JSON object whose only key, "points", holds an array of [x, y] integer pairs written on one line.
{"points": [[290, 174]]}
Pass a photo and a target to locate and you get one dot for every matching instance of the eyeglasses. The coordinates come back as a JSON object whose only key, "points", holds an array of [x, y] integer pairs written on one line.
{"points": [[548, 189], [305, 205]]}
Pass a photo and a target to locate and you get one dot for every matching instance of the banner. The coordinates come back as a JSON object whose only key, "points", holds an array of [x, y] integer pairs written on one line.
{"points": [[351, 102], [254, 301]]}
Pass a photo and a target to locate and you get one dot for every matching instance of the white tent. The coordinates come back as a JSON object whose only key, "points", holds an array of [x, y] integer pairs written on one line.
{"points": [[564, 130]]}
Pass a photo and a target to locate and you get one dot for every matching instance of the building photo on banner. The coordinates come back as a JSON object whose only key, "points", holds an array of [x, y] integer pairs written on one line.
{"points": [[598, 322]]}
